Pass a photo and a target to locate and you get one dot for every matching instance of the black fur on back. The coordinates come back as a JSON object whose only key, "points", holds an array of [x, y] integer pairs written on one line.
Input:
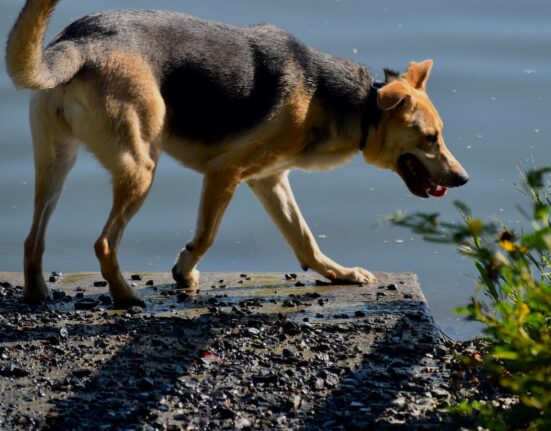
{"points": [[391, 75], [219, 80]]}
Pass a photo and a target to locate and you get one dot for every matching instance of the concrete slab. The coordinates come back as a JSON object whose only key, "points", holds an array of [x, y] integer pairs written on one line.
{"points": [[294, 294], [265, 351]]}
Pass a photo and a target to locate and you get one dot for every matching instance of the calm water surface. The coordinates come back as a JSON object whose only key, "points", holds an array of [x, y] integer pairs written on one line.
{"points": [[491, 83]]}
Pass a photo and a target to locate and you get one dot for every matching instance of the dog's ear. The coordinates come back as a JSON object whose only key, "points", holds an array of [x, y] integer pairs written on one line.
{"points": [[391, 95], [417, 74]]}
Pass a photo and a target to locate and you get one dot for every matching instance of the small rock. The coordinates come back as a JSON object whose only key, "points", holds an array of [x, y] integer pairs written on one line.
{"points": [[392, 287], [100, 283], [146, 383], [82, 372], [241, 422], [135, 309], [291, 328], [136, 277], [86, 304], [14, 371], [150, 283], [105, 300], [226, 413], [290, 354], [289, 303], [439, 393], [182, 297]]}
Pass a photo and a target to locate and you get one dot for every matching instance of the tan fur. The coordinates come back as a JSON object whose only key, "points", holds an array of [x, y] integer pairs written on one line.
{"points": [[408, 117], [115, 108], [118, 112], [24, 56]]}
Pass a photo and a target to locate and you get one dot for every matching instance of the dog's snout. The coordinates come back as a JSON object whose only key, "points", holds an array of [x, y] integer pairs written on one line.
{"points": [[460, 179]]}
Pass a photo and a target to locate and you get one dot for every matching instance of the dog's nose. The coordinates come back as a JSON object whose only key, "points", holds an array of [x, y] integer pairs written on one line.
{"points": [[460, 179]]}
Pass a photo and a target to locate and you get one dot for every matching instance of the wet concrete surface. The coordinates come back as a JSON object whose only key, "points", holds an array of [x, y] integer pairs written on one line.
{"points": [[258, 351]]}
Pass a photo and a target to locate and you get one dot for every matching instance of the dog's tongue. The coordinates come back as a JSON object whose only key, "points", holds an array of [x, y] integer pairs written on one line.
{"points": [[436, 190]]}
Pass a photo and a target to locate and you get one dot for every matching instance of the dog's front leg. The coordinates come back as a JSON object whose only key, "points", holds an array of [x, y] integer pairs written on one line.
{"points": [[276, 196], [217, 192]]}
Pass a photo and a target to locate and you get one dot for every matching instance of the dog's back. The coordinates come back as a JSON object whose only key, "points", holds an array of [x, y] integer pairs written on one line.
{"points": [[217, 80]]}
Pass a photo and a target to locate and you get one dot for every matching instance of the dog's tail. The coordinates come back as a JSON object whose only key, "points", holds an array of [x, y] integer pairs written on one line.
{"points": [[28, 65]]}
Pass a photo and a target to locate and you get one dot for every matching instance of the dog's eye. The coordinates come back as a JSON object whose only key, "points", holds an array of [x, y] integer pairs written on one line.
{"points": [[432, 138]]}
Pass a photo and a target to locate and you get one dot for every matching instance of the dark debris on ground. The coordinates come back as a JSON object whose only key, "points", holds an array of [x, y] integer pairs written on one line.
{"points": [[224, 370]]}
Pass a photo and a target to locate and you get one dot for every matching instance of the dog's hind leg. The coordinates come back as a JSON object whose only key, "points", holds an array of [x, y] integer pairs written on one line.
{"points": [[131, 183], [55, 152], [118, 111], [132, 159]]}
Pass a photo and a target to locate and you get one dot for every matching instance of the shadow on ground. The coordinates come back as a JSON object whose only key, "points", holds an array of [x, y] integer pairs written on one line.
{"points": [[242, 364]]}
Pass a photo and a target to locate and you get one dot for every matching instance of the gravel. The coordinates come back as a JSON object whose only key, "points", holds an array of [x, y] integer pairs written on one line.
{"points": [[235, 365]]}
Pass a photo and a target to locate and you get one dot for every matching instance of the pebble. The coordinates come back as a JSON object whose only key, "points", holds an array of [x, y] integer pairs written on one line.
{"points": [[105, 300], [14, 371], [135, 309], [86, 304]]}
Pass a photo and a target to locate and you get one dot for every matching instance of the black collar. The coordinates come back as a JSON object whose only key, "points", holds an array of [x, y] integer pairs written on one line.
{"points": [[371, 114]]}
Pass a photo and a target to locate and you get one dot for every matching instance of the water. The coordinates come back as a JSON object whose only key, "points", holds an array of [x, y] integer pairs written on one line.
{"points": [[491, 83]]}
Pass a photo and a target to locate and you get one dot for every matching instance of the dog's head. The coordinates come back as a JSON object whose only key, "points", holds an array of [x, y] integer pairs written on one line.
{"points": [[408, 138]]}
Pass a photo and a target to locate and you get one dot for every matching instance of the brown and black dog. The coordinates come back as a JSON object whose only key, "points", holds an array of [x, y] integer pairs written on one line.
{"points": [[236, 104]]}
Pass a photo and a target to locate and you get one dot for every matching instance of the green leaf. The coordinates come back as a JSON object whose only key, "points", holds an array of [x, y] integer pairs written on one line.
{"points": [[535, 178]]}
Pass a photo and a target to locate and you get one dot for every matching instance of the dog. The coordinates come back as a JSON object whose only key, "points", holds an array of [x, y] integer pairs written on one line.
{"points": [[237, 104]]}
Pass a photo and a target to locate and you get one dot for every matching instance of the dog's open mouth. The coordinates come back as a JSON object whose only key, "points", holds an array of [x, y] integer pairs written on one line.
{"points": [[418, 178]]}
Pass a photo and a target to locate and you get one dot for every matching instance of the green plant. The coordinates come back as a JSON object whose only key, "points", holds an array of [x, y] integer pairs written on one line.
{"points": [[513, 303]]}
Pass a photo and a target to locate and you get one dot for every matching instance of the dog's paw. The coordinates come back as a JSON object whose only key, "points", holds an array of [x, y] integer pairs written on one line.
{"points": [[37, 294], [128, 301], [125, 297], [352, 276], [189, 281]]}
